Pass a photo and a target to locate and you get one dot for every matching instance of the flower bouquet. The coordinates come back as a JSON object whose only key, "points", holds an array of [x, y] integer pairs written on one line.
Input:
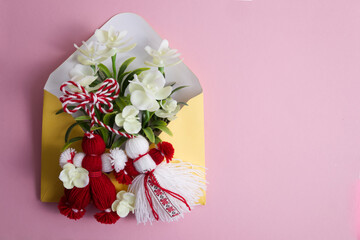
{"points": [[123, 112]]}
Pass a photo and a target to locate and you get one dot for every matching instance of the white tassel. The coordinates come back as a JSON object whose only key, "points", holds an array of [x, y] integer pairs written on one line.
{"points": [[179, 177], [118, 159], [66, 156]]}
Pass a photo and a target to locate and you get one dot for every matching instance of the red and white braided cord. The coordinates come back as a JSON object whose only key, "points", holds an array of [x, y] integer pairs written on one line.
{"points": [[80, 98]]}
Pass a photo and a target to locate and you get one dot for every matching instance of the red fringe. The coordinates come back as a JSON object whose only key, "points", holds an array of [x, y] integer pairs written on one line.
{"points": [[123, 178], [107, 217], [67, 210]]}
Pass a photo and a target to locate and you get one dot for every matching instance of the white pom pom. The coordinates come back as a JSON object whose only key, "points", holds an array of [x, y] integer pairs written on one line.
{"points": [[66, 156], [106, 162], [136, 147], [118, 159], [78, 159]]}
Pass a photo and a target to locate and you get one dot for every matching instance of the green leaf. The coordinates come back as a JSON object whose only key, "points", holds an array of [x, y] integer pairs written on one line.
{"points": [[103, 68], [82, 118], [95, 128], [164, 129], [183, 103], [62, 110], [104, 134], [68, 131], [85, 126], [158, 123], [108, 117], [122, 102], [113, 61], [119, 79], [71, 141], [149, 134], [157, 140], [124, 66], [125, 83], [119, 142], [177, 89]]}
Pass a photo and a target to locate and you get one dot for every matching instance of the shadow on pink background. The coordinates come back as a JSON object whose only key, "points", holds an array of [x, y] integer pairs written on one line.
{"points": [[281, 83]]}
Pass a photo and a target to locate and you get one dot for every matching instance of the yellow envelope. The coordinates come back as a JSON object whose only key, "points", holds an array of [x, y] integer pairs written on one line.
{"points": [[188, 128]]}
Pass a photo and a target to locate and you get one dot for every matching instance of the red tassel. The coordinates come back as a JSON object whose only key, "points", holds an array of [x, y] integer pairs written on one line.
{"points": [[100, 188], [107, 217], [163, 150], [123, 177]]}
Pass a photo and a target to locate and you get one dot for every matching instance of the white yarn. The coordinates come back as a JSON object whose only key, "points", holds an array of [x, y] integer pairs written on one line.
{"points": [[65, 156], [138, 146], [106, 162], [78, 158], [118, 159], [179, 177]]}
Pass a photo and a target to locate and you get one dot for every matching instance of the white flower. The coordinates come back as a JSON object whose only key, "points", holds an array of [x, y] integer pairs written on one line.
{"points": [[164, 56], [114, 40], [147, 88], [83, 75], [128, 120], [92, 54], [124, 204], [74, 177], [168, 110]]}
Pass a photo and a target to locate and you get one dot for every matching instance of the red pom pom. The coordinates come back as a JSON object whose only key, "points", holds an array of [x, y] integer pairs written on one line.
{"points": [[164, 149], [123, 177], [167, 149], [130, 169]]}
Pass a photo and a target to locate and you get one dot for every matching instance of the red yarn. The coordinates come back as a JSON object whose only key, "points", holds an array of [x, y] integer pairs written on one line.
{"points": [[163, 150], [123, 177], [130, 169], [100, 188]]}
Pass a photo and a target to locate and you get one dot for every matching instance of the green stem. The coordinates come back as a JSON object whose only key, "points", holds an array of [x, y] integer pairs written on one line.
{"points": [[161, 69], [113, 60]]}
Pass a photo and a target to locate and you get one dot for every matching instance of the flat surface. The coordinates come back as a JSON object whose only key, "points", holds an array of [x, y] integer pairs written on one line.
{"points": [[282, 114]]}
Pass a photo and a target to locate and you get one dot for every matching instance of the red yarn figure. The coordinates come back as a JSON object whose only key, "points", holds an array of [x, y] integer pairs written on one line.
{"points": [[100, 188]]}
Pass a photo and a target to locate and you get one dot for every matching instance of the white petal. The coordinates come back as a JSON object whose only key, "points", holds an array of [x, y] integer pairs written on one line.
{"points": [[82, 180], [132, 127], [164, 45], [68, 166], [129, 197], [64, 177], [68, 185], [154, 79], [140, 100], [119, 120], [122, 211], [129, 111], [114, 205], [101, 35], [154, 106], [120, 195], [163, 93]]}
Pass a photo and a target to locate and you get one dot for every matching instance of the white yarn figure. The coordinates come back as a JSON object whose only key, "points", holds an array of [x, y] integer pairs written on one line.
{"points": [[165, 191]]}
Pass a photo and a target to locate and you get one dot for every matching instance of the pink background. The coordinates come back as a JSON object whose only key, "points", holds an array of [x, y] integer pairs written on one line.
{"points": [[281, 81]]}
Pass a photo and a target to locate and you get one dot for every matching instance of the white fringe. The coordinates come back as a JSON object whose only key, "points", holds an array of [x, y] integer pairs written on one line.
{"points": [[179, 177]]}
